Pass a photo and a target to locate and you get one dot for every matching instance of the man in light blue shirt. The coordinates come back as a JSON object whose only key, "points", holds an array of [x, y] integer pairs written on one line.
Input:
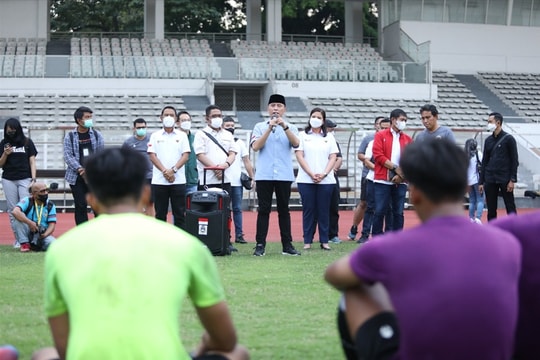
{"points": [[274, 139]]}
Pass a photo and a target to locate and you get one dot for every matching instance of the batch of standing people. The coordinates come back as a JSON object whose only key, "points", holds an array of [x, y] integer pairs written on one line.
{"points": [[446, 289]]}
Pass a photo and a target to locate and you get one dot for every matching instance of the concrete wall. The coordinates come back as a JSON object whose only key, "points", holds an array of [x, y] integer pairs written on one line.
{"points": [[355, 90], [201, 87], [103, 86], [468, 48], [24, 19]]}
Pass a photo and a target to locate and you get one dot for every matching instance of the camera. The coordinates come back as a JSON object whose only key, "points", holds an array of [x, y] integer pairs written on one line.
{"points": [[35, 241]]}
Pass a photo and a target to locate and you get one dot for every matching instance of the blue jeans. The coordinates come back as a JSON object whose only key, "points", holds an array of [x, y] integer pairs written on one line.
{"points": [[315, 209], [386, 195], [370, 211], [22, 234], [476, 202], [236, 200], [191, 188]]}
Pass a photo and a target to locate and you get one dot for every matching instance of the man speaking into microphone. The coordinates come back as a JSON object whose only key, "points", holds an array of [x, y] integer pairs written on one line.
{"points": [[274, 140]]}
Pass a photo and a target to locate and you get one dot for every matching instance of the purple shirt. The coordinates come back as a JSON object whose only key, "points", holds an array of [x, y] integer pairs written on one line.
{"points": [[526, 228], [453, 285]]}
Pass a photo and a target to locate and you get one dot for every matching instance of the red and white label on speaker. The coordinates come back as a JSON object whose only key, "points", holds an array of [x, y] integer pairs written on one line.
{"points": [[203, 226]]}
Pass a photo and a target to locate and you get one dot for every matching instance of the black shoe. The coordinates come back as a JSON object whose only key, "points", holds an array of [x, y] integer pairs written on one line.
{"points": [[240, 240], [290, 251], [259, 250], [363, 239], [232, 248], [325, 247]]}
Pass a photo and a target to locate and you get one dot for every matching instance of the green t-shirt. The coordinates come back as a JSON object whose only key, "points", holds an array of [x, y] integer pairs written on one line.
{"points": [[123, 279]]}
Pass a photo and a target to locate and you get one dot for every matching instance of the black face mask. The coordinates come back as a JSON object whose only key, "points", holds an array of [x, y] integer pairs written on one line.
{"points": [[11, 134], [43, 198], [231, 130]]}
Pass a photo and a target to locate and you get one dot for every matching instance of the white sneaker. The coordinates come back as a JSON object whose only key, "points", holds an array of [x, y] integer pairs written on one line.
{"points": [[478, 221], [16, 245]]}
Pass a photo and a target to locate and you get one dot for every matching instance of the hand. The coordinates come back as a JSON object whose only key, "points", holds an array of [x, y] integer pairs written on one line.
{"points": [[219, 174], [274, 122], [168, 174], [33, 227], [510, 186], [80, 171], [8, 150], [481, 189]]}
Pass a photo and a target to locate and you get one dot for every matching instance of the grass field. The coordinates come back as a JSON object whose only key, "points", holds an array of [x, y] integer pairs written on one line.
{"points": [[281, 305]]}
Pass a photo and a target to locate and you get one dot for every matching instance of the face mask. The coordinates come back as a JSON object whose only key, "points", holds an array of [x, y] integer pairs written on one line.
{"points": [[185, 125], [140, 132], [491, 127], [401, 125], [315, 122], [88, 123], [11, 133], [168, 121], [216, 123], [43, 198], [231, 130]]}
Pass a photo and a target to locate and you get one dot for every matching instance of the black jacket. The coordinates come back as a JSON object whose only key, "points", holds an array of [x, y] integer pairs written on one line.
{"points": [[499, 165]]}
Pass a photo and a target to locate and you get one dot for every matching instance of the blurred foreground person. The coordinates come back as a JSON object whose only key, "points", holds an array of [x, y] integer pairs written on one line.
{"points": [[446, 289], [125, 304]]}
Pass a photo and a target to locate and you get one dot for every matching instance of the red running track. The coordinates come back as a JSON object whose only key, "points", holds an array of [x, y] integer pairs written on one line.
{"points": [[66, 221]]}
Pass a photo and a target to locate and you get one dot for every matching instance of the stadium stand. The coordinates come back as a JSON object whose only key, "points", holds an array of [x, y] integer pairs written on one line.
{"points": [[310, 61], [22, 57], [521, 91]]}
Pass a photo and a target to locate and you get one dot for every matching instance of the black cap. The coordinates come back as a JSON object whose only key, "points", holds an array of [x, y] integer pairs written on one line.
{"points": [[277, 98], [330, 124]]}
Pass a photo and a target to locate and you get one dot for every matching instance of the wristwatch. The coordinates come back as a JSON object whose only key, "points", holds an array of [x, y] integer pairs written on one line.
{"points": [[174, 169]]}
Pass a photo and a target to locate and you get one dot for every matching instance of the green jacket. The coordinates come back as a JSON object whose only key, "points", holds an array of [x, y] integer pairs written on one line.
{"points": [[192, 177]]}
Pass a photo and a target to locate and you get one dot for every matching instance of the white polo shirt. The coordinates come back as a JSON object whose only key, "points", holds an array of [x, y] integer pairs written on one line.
{"points": [[316, 150], [169, 148], [202, 144]]}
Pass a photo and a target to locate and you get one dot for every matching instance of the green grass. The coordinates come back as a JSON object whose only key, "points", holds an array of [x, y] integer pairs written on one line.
{"points": [[281, 306]]}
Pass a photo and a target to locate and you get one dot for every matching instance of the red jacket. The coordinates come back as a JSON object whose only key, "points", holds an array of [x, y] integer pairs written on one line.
{"points": [[382, 150]]}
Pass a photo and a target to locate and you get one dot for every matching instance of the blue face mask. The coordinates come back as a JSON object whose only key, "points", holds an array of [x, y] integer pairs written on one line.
{"points": [[88, 123], [141, 132]]}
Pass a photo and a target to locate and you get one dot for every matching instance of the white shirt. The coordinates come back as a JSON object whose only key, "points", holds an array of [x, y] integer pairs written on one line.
{"points": [[369, 154], [202, 144], [317, 149], [169, 148], [236, 168], [472, 174]]}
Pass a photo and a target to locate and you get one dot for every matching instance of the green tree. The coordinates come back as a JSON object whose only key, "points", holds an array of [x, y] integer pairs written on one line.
{"points": [[97, 16], [313, 17]]}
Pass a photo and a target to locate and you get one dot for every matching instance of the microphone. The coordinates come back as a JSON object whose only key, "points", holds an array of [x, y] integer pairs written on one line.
{"points": [[274, 116]]}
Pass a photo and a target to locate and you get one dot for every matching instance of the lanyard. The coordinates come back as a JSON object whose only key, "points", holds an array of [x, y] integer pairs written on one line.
{"points": [[38, 213]]}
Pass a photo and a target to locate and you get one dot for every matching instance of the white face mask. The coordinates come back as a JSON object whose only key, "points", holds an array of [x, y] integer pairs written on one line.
{"points": [[491, 127], [401, 125], [315, 122], [168, 121], [216, 123], [185, 125]]}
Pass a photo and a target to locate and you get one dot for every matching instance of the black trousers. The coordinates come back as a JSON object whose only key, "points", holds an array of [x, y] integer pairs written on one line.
{"points": [[333, 229], [265, 190], [176, 194], [492, 193], [79, 191]]}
